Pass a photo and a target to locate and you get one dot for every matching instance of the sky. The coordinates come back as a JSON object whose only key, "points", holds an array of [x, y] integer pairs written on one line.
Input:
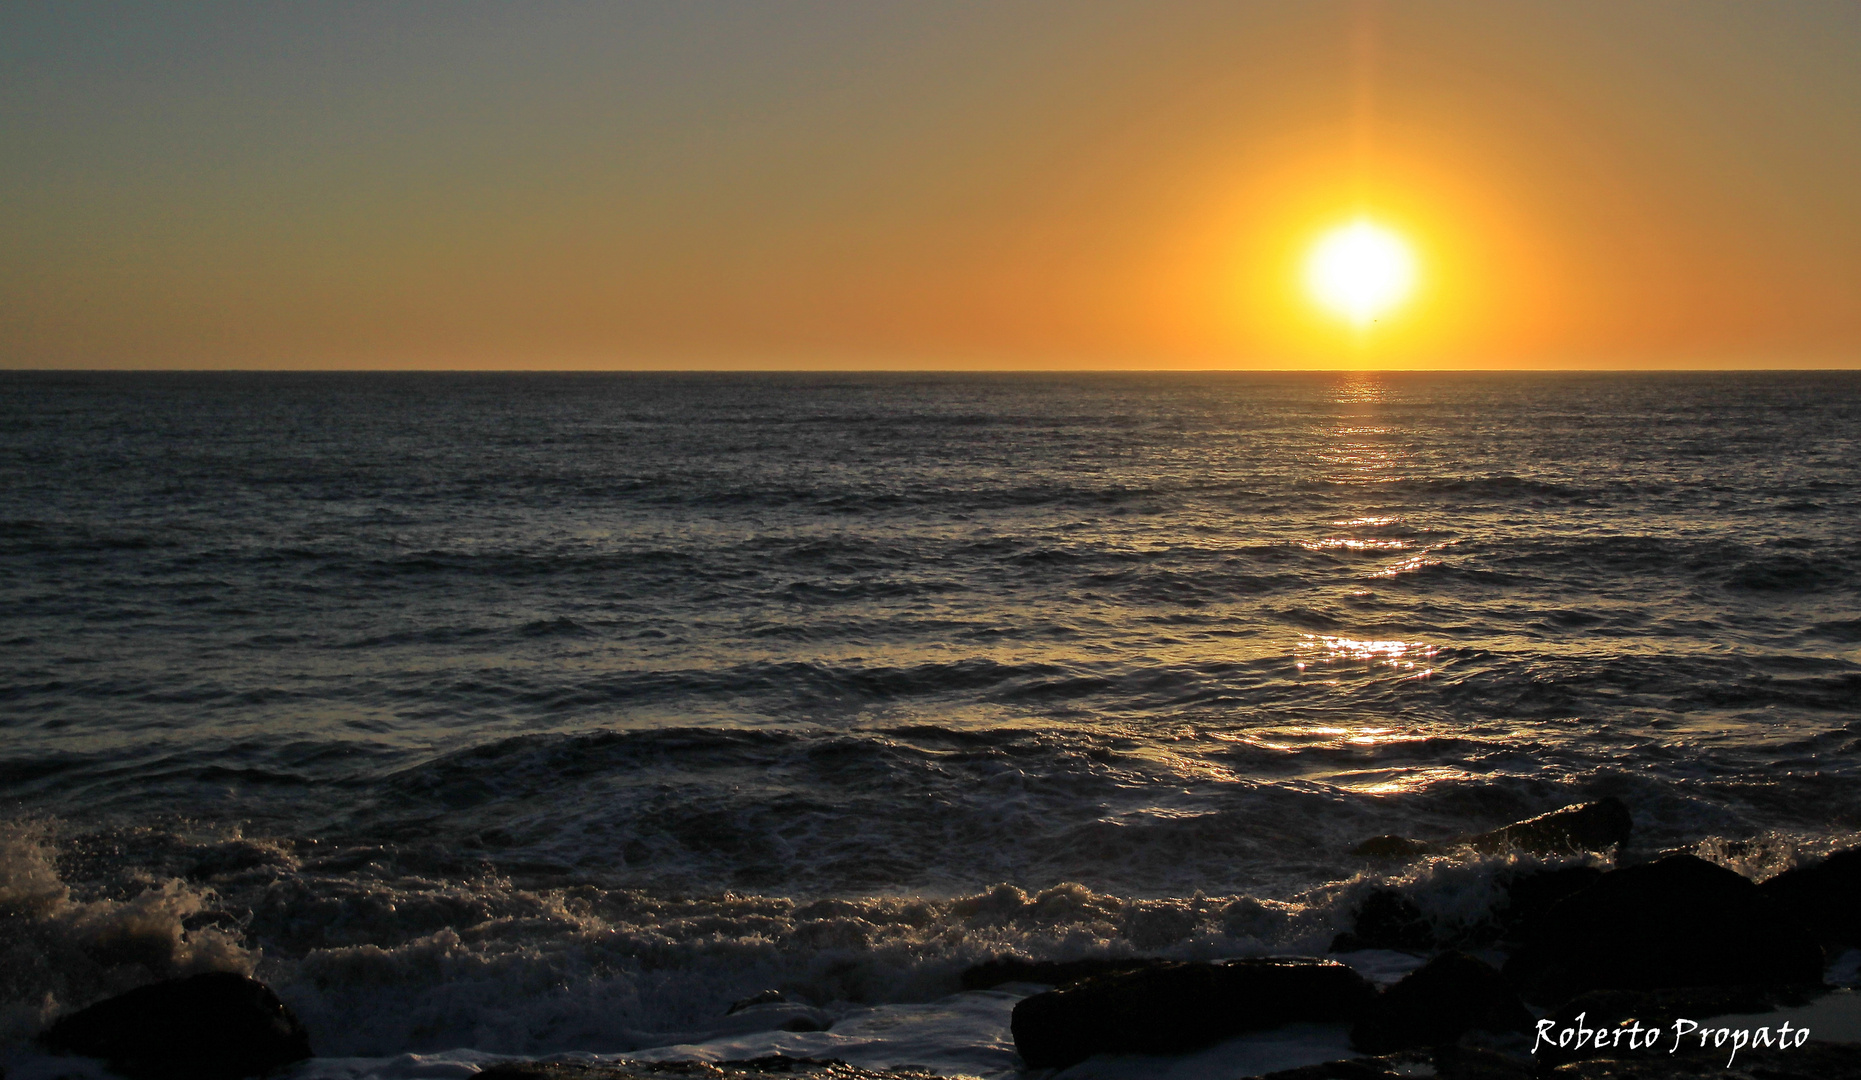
{"points": [[1002, 184]]}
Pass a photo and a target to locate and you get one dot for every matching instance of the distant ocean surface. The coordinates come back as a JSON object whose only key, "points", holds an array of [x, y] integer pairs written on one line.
{"points": [[531, 713]]}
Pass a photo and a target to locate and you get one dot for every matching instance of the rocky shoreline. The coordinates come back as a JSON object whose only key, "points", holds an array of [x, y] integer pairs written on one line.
{"points": [[1571, 963]]}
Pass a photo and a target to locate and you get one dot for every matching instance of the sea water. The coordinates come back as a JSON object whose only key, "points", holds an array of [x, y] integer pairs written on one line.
{"points": [[529, 714]]}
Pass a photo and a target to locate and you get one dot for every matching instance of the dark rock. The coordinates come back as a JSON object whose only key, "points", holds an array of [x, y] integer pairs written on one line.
{"points": [[1603, 825], [747, 1069], [1678, 921], [1172, 1008], [1387, 920], [1528, 896], [1825, 897], [775, 1016], [1596, 826], [1815, 1061], [1437, 1003], [1445, 1063], [1389, 846], [218, 1026], [766, 997], [1009, 969]]}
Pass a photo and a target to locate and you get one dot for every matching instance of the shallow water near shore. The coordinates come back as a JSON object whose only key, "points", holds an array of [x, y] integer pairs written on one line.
{"points": [[535, 714]]}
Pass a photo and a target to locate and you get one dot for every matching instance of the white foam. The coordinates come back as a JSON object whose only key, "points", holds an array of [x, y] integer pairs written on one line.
{"points": [[964, 1034], [84, 950]]}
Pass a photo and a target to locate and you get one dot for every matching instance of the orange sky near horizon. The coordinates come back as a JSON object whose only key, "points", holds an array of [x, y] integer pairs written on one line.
{"points": [[965, 185]]}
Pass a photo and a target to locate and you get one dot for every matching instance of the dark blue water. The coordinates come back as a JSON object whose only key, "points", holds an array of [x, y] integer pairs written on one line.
{"points": [[564, 666]]}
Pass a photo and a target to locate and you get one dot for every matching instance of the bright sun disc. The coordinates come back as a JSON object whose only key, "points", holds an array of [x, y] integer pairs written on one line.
{"points": [[1360, 270]]}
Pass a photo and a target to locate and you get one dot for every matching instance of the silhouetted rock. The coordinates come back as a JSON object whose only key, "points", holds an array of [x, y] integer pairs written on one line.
{"points": [[1437, 1003], [772, 1016], [1387, 920], [1678, 921], [746, 1069], [1603, 825], [1172, 1008], [1596, 826], [1443, 1063], [765, 997], [1824, 896], [1815, 1061], [218, 1026], [1056, 973], [1529, 895], [1390, 846]]}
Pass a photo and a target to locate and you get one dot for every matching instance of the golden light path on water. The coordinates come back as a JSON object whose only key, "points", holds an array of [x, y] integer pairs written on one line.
{"points": [[1363, 449]]}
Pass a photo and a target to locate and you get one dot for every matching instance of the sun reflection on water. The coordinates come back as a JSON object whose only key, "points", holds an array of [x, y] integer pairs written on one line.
{"points": [[1359, 387], [1325, 649], [1352, 544], [1397, 781], [1408, 566]]}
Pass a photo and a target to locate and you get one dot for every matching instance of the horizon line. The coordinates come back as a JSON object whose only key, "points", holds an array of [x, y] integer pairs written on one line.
{"points": [[1855, 368]]}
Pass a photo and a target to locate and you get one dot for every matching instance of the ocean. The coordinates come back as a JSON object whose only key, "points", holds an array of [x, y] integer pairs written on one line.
{"points": [[528, 714]]}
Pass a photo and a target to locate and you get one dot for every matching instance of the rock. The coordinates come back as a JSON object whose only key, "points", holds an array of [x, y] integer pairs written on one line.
{"points": [[1172, 1008], [1824, 896], [1390, 846], [1528, 896], [765, 997], [1596, 826], [1444, 1063], [1815, 1061], [1387, 920], [218, 1026], [769, 1016], [1678, 921], [748, 1069], [1603, 825], [1437, 1003], [1009, 969]]}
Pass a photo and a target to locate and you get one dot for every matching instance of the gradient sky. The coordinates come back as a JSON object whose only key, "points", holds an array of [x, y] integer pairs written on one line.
{"points": [[871, 185]]}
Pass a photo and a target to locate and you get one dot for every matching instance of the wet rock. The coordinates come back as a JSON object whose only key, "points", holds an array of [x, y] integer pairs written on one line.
{"points": [[1679, 921], [1530, 895], [766, 997], [1825, 897], [1816, 1061], [1390, 846], [747, 1069], [1437, 1003], [1173, 1008], [1445, 1063], [1387, 920], [218, 1026], [1597, 826], [1009, 969], [770, 1016], [1603, 825]]}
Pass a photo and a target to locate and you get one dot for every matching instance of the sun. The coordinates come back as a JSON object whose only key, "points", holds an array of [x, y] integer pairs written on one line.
{"points": [[1360, 271]]}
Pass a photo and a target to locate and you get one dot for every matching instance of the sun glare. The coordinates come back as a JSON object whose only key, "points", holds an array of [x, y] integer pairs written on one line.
{"points": [[1360, 271]]}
